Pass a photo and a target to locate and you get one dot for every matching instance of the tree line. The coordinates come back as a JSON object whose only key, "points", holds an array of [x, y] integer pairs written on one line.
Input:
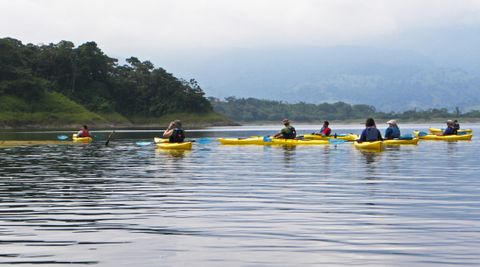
{"points": [[252, 109], [88, 76]]}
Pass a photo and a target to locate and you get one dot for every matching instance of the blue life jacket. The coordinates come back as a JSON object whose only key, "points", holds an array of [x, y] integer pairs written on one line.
{"points": [[292, 133], [177, 136], [392, 132], [372, 134]]}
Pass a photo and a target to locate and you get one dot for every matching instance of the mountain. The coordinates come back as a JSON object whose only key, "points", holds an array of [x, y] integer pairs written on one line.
{"points": [[385, 78]]}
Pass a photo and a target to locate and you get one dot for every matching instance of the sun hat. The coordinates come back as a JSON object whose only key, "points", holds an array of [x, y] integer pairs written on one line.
{"points": [[394, 122]]}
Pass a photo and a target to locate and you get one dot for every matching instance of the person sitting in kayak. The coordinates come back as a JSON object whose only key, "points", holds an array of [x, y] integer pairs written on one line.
{"points": [[456, 126], [83, 132], [174, 132], [370, 133], [392, 131], [450, 130], [288, 132], [325, 131]]}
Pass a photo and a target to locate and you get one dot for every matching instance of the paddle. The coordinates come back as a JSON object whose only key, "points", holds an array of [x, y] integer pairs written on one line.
{"points": [[203, 140], [143, 143], [421, 134], [335, 141], [62, 137], [109, 137], [267, 139]]}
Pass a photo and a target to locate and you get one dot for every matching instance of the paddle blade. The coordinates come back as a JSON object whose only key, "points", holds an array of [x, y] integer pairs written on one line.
{"points": [[267, 139], [204, 141], [422, 134], [143, 143], [62, 137], [406, 137], [462, 133], [335, 141]]}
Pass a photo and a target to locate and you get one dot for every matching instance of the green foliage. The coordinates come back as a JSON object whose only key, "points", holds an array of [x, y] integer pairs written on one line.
{"points": [[252, 109], [92, 79]]}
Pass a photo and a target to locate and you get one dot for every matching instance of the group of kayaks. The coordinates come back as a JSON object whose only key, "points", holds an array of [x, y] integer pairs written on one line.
{"points": [[313, 139]]}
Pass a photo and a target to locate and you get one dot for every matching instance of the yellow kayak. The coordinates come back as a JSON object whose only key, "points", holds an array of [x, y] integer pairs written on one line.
{"points": [[295, 142], [81, 139], [256, 140], [178, 146], [462, 137], [371, 146], [346, 137], [396, 142], [160, 140], [436, 131]]}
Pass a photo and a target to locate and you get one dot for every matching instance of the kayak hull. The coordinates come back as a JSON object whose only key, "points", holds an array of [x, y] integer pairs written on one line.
{"points": [[81, 139], [241, 141], [397, 142], [436, 131], [160, 140], [370, 146], [346, 137], [175, 146], [294, 142], [463, 137]]}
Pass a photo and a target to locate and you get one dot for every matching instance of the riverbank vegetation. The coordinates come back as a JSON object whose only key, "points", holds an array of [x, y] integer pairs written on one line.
{"points": [[251, 110], [61, 84]]}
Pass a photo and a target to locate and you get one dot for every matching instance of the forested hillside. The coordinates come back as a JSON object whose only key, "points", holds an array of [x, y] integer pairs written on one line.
{"points": [[61, 84], [251, 109]]}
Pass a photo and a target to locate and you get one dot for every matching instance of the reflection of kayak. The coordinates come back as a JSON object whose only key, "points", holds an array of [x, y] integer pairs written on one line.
{"points": [[255, 140], [373, 146], [436, 131], [11, 143], [461, 137], [81, 139], [396, 142], [346, 137], [294, 142], [179, 146]]}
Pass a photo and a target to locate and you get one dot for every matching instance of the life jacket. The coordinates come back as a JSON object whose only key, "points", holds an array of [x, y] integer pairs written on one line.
{"points": [[394, 133], [325, 131], [291, 133], [372, 134], [84, 133], [177, 136]]}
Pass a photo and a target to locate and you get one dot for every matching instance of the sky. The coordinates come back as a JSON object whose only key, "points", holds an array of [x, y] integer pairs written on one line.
{"points": [[146, 27]]}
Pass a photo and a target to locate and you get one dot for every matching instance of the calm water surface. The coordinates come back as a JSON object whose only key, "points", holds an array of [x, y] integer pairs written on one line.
{"points": [[129, 205]]}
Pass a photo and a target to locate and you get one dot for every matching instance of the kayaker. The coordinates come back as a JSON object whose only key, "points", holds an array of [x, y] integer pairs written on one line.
{"points": [[392, 131], [83, 132], [174, 132], [449, 130], [288, 132], [325, 131], [456, 126], [370, 133]]}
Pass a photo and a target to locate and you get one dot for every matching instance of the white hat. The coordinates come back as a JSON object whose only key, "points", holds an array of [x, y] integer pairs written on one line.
{"points": [[394, 122]]}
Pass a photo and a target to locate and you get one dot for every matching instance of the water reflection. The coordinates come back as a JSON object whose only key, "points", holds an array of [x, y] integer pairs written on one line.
{"points": [[239, 205]]}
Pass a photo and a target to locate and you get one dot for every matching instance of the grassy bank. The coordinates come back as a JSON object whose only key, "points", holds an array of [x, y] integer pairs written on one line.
{"points": [[54, 110]]}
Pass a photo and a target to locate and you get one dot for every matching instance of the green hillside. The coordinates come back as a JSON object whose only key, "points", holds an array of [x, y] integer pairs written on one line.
{"points": [[60, 85]]}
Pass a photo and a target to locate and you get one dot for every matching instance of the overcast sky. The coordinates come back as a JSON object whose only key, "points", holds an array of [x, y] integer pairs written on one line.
{"points": [[124, 28]]}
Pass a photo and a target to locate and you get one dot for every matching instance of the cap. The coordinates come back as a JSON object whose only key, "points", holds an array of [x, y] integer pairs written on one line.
{"points": [[285, 121]]}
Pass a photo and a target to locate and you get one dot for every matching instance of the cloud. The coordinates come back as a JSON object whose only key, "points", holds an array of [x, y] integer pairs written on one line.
{"points": [[127, 27]]}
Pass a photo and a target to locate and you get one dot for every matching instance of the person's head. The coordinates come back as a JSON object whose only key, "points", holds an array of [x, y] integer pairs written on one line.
{"points": [[286, 122], [326, 123], [455, 121], [370, 122], [392, 123], [85, 127], [177, 123], [449, 122]]}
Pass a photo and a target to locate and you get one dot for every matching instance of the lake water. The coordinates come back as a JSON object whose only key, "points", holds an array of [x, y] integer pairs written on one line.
{"points": [[129, 205]]}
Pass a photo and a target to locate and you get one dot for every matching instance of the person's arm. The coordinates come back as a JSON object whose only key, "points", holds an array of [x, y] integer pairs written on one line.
{"points": [[363, 136], [388, 133], [79, 133], [379, 135], [167, 133]]}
